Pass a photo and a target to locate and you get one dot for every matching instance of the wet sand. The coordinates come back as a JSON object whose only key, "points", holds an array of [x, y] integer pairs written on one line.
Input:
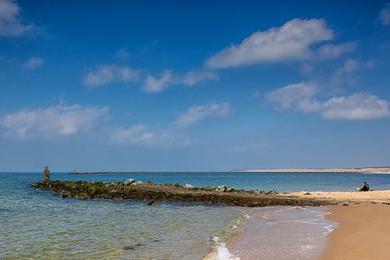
{"points": [[364, 232]]}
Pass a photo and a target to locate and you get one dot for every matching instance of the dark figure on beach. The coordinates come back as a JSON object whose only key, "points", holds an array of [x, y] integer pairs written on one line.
{"points": [[365, 187], [46, 174]]}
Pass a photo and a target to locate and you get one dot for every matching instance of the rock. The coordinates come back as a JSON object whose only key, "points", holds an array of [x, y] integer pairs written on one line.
{"points": [[221, 188], [170, 192], [128, 181], [188, 186], [345, 204], [307, 193]]}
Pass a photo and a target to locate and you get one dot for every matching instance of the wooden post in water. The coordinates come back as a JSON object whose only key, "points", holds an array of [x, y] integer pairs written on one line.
{"points": [[46, 174]]}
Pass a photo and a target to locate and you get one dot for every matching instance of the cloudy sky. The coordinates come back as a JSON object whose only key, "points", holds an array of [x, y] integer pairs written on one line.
{"points": [[185, 85]]}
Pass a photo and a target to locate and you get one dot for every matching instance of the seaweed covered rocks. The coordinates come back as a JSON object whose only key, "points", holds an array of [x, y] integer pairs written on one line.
{"points": [[133, 190]]}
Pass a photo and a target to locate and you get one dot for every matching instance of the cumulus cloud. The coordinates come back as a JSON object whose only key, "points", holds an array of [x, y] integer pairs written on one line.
{"points": [[359, 106], [195, 114], [33, 63], [168, 78], [292, 41], [384, 15], [11, 24], [139, 135], [194, 77], [59, 120], [156, 84], [135, 135], [333, 51], [109, 74], [299, 96], [302, 97]]}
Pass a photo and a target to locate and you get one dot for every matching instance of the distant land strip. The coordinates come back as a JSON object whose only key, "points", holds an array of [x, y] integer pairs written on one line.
{"points": [[366, 170]]}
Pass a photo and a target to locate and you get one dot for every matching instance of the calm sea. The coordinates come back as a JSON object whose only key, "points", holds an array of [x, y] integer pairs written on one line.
{"points": [[39, 225]]}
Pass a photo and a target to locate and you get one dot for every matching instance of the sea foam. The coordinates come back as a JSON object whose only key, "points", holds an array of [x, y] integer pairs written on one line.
{"points": [[282, 233]]}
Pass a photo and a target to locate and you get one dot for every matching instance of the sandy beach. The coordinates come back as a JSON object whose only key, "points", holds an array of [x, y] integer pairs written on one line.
{"points": [[344, 196], [363, 220], [363, 232]]}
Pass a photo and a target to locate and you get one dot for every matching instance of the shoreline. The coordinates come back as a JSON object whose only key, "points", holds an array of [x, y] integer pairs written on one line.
{"points": [[363, 217], [360, 230], [278, 232], [359, 170]]}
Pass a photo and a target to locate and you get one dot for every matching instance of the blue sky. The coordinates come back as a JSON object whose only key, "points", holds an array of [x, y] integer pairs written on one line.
{"points": [[185, 85]]}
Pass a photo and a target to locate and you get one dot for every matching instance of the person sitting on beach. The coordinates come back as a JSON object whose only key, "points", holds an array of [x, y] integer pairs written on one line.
{"points": [[365, 187]]}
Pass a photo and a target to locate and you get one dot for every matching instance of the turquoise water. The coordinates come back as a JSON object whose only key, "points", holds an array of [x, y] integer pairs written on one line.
{"points": [[39, 225]]}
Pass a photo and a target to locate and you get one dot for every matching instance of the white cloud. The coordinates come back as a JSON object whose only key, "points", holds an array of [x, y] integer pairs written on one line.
{"points": [[168, 78], [194, 77], [59, 120], [384, 15], [109, 74], [298, 96], [345, 74], [139, 135], [359, 106], [198, 113], [135, 135], [122, 53], [158, 84], [302, 97], [11, 24], [292, 41], [333, 51], [33, 63]]}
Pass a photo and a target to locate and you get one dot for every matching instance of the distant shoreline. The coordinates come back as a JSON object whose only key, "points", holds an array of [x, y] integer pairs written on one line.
{"points": [[373, 170], [363, 170]]}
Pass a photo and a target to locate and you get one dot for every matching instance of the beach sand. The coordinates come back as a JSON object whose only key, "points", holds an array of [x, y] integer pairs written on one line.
{"points": [[343, 196], [364, 232]]}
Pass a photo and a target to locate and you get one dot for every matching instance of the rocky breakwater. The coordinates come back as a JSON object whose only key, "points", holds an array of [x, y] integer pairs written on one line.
{"points": [[151, 193]]}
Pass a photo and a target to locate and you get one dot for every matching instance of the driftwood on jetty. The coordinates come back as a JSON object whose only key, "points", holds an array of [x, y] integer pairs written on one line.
{"points": [[152, 193]]}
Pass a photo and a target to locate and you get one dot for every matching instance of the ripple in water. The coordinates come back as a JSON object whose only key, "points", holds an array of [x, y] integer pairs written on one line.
{"points": [[40, 225]]}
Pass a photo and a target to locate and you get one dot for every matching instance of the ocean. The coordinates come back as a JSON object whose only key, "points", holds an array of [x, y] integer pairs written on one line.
{"points": [[36, 224]]}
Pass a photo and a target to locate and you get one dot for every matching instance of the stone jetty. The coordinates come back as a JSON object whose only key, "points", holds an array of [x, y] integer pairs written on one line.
{"points": [[152, 193]]}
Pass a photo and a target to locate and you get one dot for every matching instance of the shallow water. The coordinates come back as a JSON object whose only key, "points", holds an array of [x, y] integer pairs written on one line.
{"points": [[283, 233], [37, 224]]}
